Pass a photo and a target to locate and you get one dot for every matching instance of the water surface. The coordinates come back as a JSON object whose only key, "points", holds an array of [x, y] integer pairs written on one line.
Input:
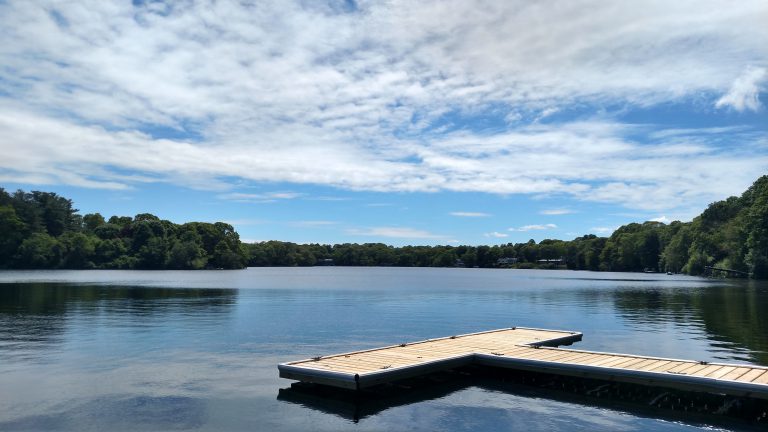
{"points": [[167, 350]]}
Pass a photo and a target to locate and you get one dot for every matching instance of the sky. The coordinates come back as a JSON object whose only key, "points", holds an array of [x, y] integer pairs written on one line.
{"points": [[402, 122]]}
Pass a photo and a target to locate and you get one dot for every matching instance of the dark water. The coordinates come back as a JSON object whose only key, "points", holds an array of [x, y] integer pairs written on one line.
{"points": [[130, 350]]}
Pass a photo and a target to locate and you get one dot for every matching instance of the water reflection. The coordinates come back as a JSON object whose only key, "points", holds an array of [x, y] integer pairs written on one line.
{"points": [[641, 401], [120, 413], [36, 316], [197, 350], [732, 316]]}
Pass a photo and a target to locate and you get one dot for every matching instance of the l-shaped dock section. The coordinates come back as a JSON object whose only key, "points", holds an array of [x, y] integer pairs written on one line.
{"points": [[525, 349]]}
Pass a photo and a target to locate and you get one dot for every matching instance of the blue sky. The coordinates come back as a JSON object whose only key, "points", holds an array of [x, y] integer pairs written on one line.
{"points": [[399, 122]]}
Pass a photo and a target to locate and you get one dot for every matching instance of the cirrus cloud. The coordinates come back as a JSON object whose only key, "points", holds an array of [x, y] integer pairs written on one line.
{"points": [[469, 214], [744, 94], [397, 232], [496, 234], [556, 212], [114, 94], [539, 227]]}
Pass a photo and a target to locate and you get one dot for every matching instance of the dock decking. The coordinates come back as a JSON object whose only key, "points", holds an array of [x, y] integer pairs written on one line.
{"points": [[529, 350]]}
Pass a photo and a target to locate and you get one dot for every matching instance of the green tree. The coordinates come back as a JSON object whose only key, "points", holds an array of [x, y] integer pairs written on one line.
{"points": [[757, 228], [12, 233], [153, 254], [57, 212], [78, 250], [675, 255], [445, 258], [108, 252], [187, 255], [92, 221], [39, 251]]}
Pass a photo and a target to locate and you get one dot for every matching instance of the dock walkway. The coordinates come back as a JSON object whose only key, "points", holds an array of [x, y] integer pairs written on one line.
{"points": [[524, 349]]}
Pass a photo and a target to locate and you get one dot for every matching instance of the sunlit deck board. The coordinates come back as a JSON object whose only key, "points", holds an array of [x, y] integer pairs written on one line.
{"points": [[527, 350], [379, 365]]}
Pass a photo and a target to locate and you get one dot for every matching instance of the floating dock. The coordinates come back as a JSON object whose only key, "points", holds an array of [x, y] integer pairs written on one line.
{"points": [[524, 349]]}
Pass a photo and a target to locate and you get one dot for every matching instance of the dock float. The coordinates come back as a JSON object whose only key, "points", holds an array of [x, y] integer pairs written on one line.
{"points": [[524, 349]]}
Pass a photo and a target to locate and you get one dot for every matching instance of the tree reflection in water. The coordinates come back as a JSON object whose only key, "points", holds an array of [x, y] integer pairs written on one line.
{"points": [[34, 316], [732, 315]]}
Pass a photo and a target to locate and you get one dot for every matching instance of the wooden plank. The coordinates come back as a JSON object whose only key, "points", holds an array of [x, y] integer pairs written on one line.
{"points": [[736, 373], [542, 354], [642, 364], [607, 358], [692, 369], [602, 358], [630, 362], [751, 375], [517, 339], [399, 355], [355, 358], [435, 346], [517, 336], [583, 360], [574, 358], [762, 379], [350, 367], [342, 368], [656, 364], [496, 346], [708, 370], [511, 344], [721, 372], [546, 354], [681, 367], [505, 336], [447, 352], [516, 351], [363, 361], [407, 354], [617, 360], [659, 366], [550, 356], [456, 345]]}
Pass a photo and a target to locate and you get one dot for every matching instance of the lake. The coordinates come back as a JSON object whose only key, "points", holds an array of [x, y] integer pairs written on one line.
{"points": [[197, 350]]}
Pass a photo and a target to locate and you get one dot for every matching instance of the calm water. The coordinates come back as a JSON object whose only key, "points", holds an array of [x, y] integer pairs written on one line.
{"points": [[131, 350]]}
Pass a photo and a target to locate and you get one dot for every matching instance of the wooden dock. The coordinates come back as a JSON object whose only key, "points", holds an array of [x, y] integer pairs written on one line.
{"points": [[524, 349]]}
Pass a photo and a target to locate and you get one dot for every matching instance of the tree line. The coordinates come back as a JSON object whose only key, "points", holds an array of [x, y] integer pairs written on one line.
{"points": [[731, 234], [42, 230]]}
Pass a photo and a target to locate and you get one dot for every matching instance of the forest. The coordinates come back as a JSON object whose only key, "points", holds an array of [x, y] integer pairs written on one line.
{"points": [[731, 234], [43, 230]]}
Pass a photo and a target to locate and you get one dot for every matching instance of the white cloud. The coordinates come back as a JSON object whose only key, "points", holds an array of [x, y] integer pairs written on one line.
{"points": [[283, 92], [745, 91], [513, 117], [556, 212], [250, 240], [260, 197], [396, 232], [541, 227], [469, 214], [662, 219], [496, 234], [547, 160], [328, 198], [602, 230], [546, 112]]}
